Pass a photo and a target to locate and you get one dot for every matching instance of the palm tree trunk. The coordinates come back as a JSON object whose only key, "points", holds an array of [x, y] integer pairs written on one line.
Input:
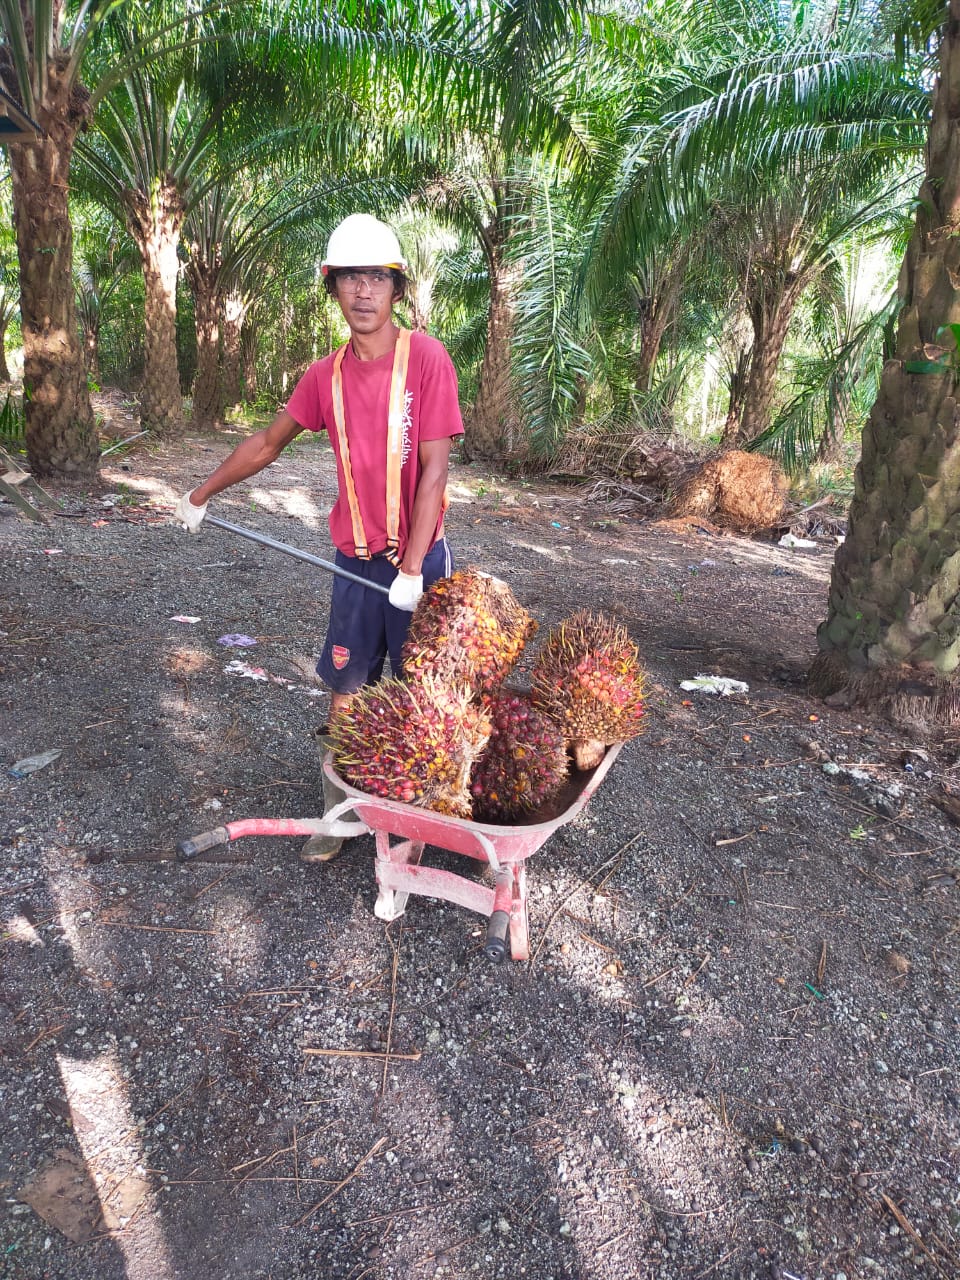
{"points": [[206, 310], [655, 316], [738, 390], [771, 320], [652, 328], [248, 356], [155, 225], [892, 631], [234, 313], [61, 435], [492, 428]]}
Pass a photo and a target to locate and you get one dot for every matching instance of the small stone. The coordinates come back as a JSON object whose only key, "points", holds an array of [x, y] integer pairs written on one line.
{"points": [[798, 1146], [861, 1180], [752, 1166]]}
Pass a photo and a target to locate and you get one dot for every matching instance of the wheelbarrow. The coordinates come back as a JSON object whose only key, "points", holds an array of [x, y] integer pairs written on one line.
{"points": [[504, 848]]}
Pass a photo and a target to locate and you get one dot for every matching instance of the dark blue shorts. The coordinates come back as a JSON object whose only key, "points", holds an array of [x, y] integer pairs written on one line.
{"points": [[364, 625]]}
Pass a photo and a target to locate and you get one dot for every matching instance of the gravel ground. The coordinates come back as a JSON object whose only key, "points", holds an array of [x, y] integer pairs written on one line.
{"points": [[733, 1053]]}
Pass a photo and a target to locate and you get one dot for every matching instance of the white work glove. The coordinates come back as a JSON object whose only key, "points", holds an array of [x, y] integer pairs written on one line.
{"points": [[187, 515], [405, 590]]}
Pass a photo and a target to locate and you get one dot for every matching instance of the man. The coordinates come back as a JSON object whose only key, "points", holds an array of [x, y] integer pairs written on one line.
{"points": [[388, 400]]}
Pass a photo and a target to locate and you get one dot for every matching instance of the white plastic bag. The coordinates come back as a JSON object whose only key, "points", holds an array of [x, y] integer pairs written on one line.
{"points": [[715, 684]]}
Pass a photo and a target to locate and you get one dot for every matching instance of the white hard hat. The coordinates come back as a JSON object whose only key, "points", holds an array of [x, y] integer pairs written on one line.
{"points": [[361, 240]]}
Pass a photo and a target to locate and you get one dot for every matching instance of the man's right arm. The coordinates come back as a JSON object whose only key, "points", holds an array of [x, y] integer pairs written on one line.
{"points": [[249, 457]]}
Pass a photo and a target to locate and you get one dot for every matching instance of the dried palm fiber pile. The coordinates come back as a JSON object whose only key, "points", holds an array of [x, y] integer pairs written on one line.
{"points": [[742, 491], [467, 632], [524, 763], [587, 678], [411, 742]]}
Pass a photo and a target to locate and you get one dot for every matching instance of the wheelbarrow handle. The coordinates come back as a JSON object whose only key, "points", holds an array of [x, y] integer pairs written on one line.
{"points": [[297, 554]]}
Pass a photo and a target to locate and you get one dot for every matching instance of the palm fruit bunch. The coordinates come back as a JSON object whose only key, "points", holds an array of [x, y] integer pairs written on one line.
{"points": [[523, 764], [467, 632], [587, 678], [405, 742]]}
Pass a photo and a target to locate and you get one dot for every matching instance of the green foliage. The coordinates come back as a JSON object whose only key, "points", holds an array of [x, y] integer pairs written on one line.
{"points": [[12, 421], [630, 164]]}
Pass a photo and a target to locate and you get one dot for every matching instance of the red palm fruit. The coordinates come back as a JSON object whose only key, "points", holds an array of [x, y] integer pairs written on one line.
{"points": [[407, 743], [587, 678], [467, 632], [523, 764]]}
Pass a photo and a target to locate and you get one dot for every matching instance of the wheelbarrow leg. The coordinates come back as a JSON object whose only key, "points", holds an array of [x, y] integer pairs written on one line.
{"points": [[507, 924], [391, 903], [519, 938]]}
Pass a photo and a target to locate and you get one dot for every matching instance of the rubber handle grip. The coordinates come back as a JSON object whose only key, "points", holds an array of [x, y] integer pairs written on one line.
{"points": [[188, 849], [496, 945]]}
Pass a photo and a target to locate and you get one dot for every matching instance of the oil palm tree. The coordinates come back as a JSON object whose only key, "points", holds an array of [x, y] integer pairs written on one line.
{"points": [[767, 132], [40, 59], [58, 59], [892, 631], [144, 161], [779, 241], [838, 358]]}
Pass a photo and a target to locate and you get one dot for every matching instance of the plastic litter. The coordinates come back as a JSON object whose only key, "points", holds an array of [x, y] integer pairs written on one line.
{"points": [[715, 684], [30, 764], [246, 672], [237, 641], [793, 543], [184, 617], [238, 668]]}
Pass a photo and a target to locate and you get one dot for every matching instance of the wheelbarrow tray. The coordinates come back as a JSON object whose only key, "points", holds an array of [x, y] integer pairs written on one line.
{"points": [[511, 842]]}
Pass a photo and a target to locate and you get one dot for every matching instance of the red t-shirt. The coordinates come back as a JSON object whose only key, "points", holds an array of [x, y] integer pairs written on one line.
{"points": [[432, 413]]}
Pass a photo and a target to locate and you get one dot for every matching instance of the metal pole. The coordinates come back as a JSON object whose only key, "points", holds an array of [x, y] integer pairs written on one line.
{"points": [[121, 443], [295, 552]]}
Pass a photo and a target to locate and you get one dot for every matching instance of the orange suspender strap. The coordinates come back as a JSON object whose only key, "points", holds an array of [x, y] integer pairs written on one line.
{"points": [[398, 387], [360, 548], [398, 390]]}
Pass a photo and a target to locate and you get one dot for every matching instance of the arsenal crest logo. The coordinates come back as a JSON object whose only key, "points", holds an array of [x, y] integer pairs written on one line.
{"points": [[341, 656]]}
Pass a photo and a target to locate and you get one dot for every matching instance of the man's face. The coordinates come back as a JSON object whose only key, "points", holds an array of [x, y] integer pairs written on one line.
{"points": [[366, 297]]}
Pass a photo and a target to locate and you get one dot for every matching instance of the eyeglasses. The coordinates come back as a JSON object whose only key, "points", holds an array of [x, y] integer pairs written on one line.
{"points": [[351, 280]]}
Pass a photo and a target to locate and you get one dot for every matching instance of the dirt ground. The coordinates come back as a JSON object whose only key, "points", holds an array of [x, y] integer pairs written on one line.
{"points": [[733, 1052]]}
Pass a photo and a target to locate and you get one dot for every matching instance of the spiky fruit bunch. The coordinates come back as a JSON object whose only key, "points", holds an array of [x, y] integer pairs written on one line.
{"points": [[403, 742], [524, 763], [587, 678], [467, 632]]}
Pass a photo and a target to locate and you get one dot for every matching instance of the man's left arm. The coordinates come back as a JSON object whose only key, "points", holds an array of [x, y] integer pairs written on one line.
{"points": [[434, 458]]}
